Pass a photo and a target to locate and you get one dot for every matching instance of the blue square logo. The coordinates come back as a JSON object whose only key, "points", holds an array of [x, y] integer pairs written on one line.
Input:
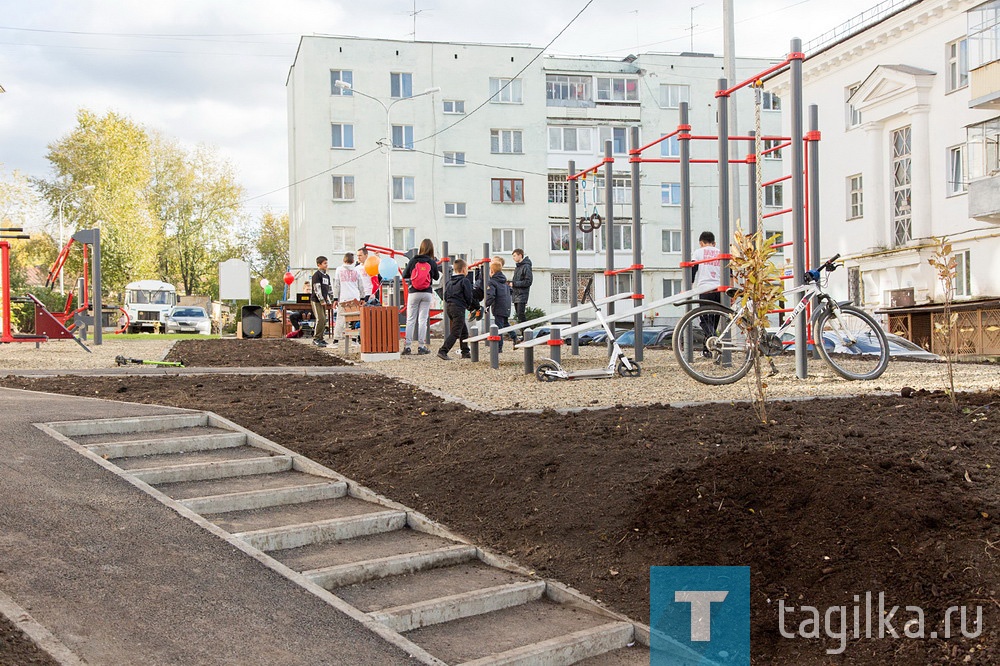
{"points": [[699, 616]]}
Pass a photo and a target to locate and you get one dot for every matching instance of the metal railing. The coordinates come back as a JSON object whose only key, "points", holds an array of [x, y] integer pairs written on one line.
{"points": [[855, 25]]}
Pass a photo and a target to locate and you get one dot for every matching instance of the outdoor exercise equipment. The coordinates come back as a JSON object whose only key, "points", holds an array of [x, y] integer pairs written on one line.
{"points": [[591, 223], [125, 360], [551, 370]]}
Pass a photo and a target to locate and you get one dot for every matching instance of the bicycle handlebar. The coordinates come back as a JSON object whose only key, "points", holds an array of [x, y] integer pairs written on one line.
{"points": [[829, 267]]}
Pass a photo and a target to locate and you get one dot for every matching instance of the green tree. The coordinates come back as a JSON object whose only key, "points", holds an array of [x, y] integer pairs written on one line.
{"points": [[264, 245]]}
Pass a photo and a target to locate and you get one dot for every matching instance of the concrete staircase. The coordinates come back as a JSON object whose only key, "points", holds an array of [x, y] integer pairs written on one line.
{"points": [[405, 577]]}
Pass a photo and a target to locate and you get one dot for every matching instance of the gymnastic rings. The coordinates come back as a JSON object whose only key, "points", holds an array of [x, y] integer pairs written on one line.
{"points": [[590, 224]]}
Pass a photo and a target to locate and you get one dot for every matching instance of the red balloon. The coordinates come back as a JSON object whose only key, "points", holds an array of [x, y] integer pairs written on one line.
{"points": [[289, 278]]}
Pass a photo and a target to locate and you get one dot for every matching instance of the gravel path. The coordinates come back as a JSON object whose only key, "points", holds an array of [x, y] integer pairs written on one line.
{"points": [[66, 354]]}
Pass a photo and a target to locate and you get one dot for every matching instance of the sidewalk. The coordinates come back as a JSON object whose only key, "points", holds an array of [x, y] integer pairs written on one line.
{"points": [[118, 578]]}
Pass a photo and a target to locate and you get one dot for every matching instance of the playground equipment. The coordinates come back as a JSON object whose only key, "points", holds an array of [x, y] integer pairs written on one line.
{"points": [[550, 369], [88, 286], [46, 325]]}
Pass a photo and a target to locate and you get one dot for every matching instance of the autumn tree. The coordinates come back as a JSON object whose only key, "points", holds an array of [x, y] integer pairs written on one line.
{"points": [[264, 245]]}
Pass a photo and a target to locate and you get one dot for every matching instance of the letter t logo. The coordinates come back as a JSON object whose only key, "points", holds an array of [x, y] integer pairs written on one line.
{"points": [[701, 611]]}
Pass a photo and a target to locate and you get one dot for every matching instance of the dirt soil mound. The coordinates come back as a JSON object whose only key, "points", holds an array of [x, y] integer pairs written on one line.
{"points": [[240, 353], [833, 499]]}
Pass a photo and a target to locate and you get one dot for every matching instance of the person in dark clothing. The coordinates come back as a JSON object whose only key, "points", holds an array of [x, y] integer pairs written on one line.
{"points": [[498, 298], [521, 283], [458, 300], [421, 272], [321, 299]]}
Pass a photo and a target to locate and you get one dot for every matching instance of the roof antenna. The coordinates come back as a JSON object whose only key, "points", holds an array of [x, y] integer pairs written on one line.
{"points": [[693, 26], [414, 15]]}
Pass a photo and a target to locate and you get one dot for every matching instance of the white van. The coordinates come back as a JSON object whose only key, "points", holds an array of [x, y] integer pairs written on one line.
{"points": [[147, 303]]}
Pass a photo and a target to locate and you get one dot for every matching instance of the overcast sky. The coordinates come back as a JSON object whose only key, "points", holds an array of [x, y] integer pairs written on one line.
{"points": [[213, 71]]}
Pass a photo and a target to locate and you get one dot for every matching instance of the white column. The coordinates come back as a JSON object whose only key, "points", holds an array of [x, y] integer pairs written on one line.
{"points": [[875, 199], [920, 170]]}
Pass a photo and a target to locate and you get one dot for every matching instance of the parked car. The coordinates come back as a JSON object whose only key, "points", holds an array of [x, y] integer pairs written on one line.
{"points": [[649, 336], [899, 347], [188, 319], [593, 337]]}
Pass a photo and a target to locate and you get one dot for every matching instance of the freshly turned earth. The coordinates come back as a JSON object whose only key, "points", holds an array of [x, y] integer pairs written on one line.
{"points": [[832, 499]]}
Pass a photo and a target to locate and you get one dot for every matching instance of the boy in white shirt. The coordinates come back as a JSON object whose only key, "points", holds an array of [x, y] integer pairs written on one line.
{"points": [[707, 275], [348, 282]]}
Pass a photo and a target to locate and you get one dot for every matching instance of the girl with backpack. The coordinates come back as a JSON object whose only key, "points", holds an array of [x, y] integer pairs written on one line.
{"points": [[421, 272]]}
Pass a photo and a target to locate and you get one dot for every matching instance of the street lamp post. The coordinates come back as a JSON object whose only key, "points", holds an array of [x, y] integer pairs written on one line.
{"points": [[387, 143], [85, 188]]}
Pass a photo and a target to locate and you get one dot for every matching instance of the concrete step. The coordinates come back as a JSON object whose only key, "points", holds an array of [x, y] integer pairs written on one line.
{"points": [[425, 585], [166, 460], [74, 429], [457, 606], [637, 655], [537, 633], [182, 490], [272, 517], [293, 536], [391, 565], [360, 549], [217, 470], [258, 499], [168, 445], [149, 435]]}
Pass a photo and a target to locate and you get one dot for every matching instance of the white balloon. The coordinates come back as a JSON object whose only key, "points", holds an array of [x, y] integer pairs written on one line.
{"points": [[264, 282]]}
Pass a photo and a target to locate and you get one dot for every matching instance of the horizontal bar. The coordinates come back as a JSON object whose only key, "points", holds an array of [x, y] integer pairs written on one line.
{"points": [[776, 213], [758, 77], [786, 244], [633, 267], [606, 160], [636, 151], [776, 180], [776, 148], [686, 264]]}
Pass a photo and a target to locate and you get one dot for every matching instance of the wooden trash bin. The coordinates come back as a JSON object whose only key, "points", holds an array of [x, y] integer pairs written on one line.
{"points": [[379, 333]]}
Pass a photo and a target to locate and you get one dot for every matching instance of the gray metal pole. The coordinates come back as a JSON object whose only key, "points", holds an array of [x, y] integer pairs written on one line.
{"points": [[474, 346], [815, 257], [529, 354], [486, 277], [574, 300], [729, 71], [494, 347], [445, 274], [609, 247], [684, 143], [636, 246], [752, 167], [555, 349], [798, 210], [724, 194]]}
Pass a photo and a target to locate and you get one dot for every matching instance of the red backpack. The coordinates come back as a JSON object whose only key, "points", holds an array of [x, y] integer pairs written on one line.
{"points": [[420, 276]]}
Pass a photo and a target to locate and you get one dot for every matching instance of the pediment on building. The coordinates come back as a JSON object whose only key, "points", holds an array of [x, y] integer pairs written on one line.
{"points": [[889, 88]]}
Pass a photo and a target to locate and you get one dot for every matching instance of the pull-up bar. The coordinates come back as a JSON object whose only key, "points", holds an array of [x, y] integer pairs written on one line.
{"points": [[798, 55], [583, 174]]}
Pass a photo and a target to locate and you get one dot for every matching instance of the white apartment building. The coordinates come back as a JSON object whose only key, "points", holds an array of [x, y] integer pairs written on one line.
{"points": [[909, 107], [484, 159]]}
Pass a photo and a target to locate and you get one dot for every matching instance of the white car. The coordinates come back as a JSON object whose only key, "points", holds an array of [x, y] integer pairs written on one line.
{"points": [[188, 319]]}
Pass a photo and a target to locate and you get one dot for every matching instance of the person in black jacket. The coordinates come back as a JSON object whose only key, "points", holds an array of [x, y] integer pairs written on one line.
{"points": [[521, 282], [498, 298], [321, 299], [458, 300]]}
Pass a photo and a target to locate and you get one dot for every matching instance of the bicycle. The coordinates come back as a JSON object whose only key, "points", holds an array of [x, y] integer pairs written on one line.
{"points": [[712, 346]]}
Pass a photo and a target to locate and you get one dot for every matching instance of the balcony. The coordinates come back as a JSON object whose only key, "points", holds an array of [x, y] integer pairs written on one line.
{"points": [[984, 199], [984, 86]]}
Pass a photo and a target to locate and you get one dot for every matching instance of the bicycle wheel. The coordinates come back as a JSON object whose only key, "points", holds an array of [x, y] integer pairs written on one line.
{"points": [[710, 347], [853, 343]]}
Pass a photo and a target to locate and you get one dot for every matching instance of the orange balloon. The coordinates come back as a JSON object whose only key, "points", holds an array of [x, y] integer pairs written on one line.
{"points": [[371, 264]]}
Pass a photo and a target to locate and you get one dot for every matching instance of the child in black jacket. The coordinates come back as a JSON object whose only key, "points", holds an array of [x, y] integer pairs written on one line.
{"points": [[458, 300]]}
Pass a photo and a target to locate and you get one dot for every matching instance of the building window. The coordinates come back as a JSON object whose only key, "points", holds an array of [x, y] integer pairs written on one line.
{"points": [[400, 85], [454, 106], [984, 34], [563, 88], [855, 287], [506, 141], [343, 135], [559, 239], [901, 202], [670, 194], [622, 283], [452, 158], [671, 95], [957, 183], [853, 115], [773, 196], [672, 287], [617, 89], [403, 189], [855, 197], [771, 102], [770, 149], [561, 286], [342, 239], [343, 188], [983, 145], [621, 190], [505, 91], [508, 190], [622, 236], [454, 209], [618, 136], [963, 273], [559, 189], [570, 140], [671, 240], [402, 137], [345, 75], [670, 147], [405, 237], [507, 240], [958, 64]]}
